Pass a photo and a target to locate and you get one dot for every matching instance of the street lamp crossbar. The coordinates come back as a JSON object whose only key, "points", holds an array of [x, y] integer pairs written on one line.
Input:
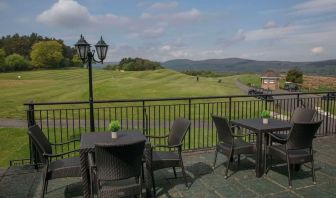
{"points": [[87, 56]]}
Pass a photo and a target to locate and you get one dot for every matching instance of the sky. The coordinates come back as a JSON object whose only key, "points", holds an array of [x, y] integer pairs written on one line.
{"points": [[287, 30]]}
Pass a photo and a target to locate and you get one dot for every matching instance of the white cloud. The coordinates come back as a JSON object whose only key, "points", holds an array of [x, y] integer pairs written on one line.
{"points": [[146, 15], [153, 32], [313, 7], [317, 50], [270, 24], [164, 5], [165, 48], [271, 33], [71, 14], [187, 15]]}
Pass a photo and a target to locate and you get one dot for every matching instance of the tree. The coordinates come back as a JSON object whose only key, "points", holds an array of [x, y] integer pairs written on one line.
{"points": [[137, 64], [2, 59], [16, 62], [294, 75], [76, 61], [47, 54]]}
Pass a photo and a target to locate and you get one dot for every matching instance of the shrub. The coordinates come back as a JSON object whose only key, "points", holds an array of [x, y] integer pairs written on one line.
{"points": [[16, 62], [295, 76]]}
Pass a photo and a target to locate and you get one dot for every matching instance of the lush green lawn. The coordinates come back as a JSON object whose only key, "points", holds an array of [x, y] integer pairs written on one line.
{"points": [[13, 145], [250, 79], [70, 85]]}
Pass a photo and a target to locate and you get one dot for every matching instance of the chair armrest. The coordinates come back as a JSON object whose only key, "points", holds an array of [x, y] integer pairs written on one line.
{"points": [[151, 136], [243, 135], [60, 154], [276, 137], [67, 142], [166, 146]]}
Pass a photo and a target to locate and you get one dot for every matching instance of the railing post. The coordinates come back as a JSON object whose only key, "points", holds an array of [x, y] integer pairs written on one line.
{"points": [[298, 100], [327, 115], [230, 100], [31, 121], [31, 114], [144, 120], [189, 117]]}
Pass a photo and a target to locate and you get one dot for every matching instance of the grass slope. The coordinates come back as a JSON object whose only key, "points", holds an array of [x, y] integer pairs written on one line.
{"points": [[70, 85]]}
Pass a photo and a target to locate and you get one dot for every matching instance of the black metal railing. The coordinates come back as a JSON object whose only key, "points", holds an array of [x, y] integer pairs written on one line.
{"points": [[62, 121]]}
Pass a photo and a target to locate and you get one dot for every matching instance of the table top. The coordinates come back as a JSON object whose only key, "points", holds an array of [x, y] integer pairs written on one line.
{"points": [[88, 140], [256, 125]]}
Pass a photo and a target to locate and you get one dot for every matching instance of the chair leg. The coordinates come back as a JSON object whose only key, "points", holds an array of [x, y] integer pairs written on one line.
{"points": [[184, 173], [289, 175], [43, 188], [313, 171], [238, 161], [269, 166], [45, 182], [215, 159], [228, 164], [174, 171], [46, 187], [143, 170], [153, 183]]}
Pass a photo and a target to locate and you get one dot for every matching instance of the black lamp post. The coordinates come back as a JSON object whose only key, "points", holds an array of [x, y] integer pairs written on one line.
{"points": [[87, 56]]}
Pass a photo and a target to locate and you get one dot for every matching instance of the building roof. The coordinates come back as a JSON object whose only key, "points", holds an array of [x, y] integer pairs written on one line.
{"points": [[270, 74]]}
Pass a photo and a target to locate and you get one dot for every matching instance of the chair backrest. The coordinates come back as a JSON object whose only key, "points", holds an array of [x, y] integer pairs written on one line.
{"points": [[302, 134], [117, 162], [223, 129], [178, 131], [40, 141], [303, 115]]}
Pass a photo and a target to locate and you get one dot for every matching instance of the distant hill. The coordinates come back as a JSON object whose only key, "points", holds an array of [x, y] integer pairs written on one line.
{"points": [[238, 65]]}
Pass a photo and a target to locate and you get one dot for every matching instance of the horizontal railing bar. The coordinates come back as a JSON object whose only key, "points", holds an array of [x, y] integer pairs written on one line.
{"points": [[174, 98]]}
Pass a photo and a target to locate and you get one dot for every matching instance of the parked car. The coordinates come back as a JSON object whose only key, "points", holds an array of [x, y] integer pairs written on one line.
{"points": [[289, 86], [330, 96], [261, 94]]}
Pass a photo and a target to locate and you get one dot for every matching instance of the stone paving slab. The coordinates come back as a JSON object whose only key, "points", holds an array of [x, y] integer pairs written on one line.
{"points": [[26, 182]]}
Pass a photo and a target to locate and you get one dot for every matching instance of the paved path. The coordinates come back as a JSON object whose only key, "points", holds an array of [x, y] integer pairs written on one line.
{"points": [[12, 123]]}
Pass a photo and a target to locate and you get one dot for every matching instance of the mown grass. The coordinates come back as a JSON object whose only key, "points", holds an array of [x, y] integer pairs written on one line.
{"points": [[250, 79], [13, 145], [71, 85]]}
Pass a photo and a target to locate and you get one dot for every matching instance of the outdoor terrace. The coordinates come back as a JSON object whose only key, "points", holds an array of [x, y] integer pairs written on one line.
{"points": [[24, 181], [64, 121]]}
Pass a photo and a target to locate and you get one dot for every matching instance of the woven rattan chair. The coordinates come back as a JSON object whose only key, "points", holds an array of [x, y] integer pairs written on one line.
{"points": [[117, 169], [230, 144], [300, 114], [156, 160], [298, 147], [59, 168]]}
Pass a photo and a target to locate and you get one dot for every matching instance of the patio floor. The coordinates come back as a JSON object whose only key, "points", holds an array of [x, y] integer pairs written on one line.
{"points": [[26, 182]]}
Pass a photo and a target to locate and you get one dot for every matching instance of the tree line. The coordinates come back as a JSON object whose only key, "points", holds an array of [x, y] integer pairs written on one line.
{"points": [[135, 64], [29, 52]]}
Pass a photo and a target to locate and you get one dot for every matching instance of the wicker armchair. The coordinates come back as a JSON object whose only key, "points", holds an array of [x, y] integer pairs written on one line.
{"points": [[230, 144], [298, 147], [156, 160], [60, 168], [114, 167], [300, 115]]}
